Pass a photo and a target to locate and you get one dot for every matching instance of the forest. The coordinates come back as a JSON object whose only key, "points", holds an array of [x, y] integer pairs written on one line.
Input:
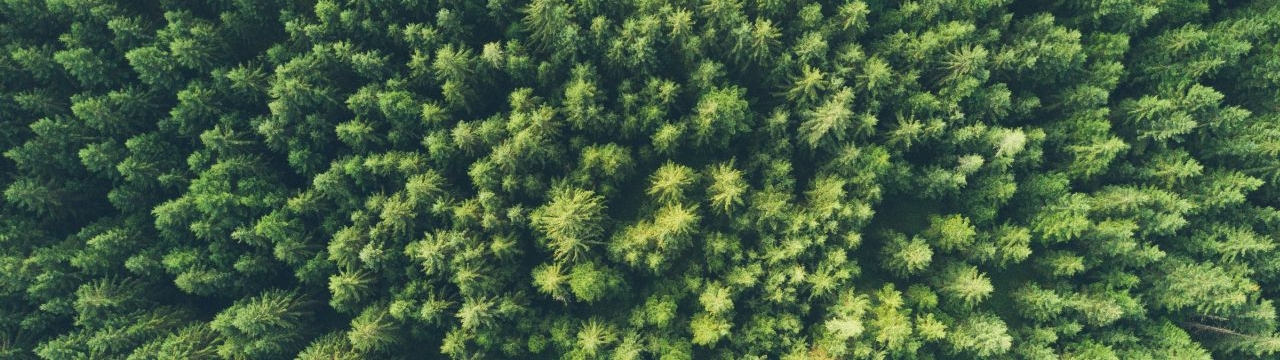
{"points": [[639, 179]]}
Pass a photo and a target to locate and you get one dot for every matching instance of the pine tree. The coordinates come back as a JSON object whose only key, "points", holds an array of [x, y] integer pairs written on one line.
{"points": [[571, 221], [270, 324]]}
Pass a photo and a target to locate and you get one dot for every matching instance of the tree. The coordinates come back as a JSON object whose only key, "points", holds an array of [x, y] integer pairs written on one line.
{"points": [[373, 331], [652, 242], [982, 335], [964, 284], [761, 42], [332, 346], [669, 182], [91, 68], [951, 232], [727, 187], [906, 257], [804, 88], [1203, 287], [720, 115], [550, 23], [270, 324], [716, 299], [1039, 303], [707, 329], [590, 282], [571, 221], [832, 117], [348, 289], [593, 336], [197, 341]]}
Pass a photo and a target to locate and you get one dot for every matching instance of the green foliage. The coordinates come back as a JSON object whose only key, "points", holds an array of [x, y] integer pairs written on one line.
{"points": [[589, 179], [590, 282], [668, 183], [372, 331], [964, 284], [571, 221], [951, 232], [727, 187], [983, 335], [707, 329], [907, 257], [269, 324]]}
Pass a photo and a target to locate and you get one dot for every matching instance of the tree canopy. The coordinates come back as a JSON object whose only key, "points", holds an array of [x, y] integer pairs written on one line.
{"points": [[639, 179]]}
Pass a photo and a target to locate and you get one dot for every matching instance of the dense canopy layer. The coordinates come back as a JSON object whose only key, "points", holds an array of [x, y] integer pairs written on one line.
{"points": [[639, 179]]}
